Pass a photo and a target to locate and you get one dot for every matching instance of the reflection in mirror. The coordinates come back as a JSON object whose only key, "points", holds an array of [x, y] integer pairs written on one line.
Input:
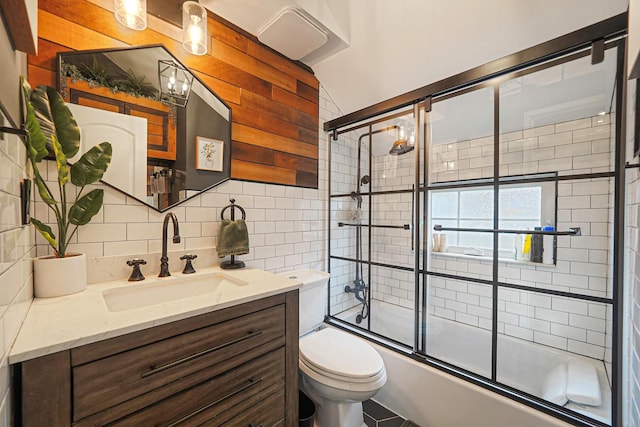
{"points": [[171, 133]]}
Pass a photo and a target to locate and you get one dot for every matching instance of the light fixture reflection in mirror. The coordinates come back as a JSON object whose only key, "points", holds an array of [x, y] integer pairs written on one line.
{"points": [[194, 28], [175, 83], [131, 13]]}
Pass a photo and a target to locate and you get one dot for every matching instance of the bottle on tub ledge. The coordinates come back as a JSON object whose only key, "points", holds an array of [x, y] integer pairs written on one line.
{"points": [[519, 245], [536, 246], [526, 248], [547, 244]]}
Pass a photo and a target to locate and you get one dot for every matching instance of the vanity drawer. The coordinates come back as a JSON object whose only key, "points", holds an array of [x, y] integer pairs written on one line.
{"points": [[131, 380], [266, 408], [224, 398]]}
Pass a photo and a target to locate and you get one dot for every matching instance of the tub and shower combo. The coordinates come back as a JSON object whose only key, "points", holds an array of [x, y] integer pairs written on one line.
{"points": [[472, 233]]}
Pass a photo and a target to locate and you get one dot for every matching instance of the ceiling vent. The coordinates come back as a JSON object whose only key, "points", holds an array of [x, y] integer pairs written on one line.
{"points": [[292, 34]]}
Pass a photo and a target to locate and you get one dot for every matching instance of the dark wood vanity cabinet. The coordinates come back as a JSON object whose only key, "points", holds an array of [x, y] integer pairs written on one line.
{"points": [[237, 367]]}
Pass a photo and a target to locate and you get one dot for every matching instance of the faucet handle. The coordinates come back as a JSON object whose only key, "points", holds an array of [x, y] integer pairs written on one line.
{"points": [[188, 268], [136, 274]]}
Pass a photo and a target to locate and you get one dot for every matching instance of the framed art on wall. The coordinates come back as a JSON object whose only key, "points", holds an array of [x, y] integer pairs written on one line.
{"points": [[209, 154]]}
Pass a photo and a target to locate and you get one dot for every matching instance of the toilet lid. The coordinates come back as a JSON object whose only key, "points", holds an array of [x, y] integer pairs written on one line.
{"points": [[340, 353]]}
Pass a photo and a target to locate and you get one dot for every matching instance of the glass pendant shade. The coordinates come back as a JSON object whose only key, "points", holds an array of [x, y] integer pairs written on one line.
{"points": [[131, 13], [401, 145], [194, 28]]}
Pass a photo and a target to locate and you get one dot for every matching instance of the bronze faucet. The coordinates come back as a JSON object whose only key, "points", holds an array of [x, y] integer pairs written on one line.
{"points": [[164, 259]]}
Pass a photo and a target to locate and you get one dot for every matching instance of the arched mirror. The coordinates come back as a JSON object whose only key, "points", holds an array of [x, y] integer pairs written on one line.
{"points": [[171, 134]]}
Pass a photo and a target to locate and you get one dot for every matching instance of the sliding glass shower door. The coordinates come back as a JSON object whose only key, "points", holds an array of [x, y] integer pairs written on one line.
{"points": [[475, 229], [373, 244], [521, 188]]}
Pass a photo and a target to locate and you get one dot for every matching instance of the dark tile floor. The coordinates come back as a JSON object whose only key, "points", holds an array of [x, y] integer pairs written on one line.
{"points": [[376, 415]]}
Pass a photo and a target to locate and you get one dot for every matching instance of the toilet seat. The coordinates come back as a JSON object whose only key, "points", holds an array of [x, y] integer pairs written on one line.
{"points": [[336, 380], [343, 357]]}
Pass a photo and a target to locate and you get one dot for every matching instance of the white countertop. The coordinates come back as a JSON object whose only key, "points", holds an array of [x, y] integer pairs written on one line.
{"points": [[61, 323]]}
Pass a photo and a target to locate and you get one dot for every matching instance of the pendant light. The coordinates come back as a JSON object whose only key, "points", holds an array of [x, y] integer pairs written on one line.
{"points": [[402, 144], [131, 13], [194, 28]]}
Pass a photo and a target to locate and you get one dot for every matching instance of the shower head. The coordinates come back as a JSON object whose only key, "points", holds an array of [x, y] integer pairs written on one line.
{"points": [[400, 147], [364, 180]]}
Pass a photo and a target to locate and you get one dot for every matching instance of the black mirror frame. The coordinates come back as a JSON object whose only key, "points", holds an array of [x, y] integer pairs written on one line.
{"points": [[61, 84]]}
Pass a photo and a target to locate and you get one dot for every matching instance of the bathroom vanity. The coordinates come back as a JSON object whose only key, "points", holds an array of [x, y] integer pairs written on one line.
{"points": [[227, 357]]}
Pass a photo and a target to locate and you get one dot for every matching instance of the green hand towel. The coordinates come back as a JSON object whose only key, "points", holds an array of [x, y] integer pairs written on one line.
{"points": [[233, 238]]}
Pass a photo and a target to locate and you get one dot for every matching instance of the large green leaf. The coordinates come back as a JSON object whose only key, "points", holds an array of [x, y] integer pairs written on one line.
{"points": [[92, 165], [86, 207], [43, 190], [61, 162], [46, 232], [37, 142], [56, 118]]}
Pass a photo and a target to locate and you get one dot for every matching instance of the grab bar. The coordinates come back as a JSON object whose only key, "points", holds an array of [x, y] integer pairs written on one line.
{"points": [[403, 226], [572, 231]]}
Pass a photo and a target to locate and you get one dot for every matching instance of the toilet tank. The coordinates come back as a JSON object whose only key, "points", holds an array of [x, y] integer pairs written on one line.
{"points": [[313, 297]]}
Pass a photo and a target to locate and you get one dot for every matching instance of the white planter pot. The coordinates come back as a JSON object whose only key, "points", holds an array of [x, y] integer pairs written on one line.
{"points": [[54, 277]]}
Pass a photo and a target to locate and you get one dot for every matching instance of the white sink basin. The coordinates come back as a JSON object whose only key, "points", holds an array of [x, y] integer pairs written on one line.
{"points": [[168, 289]]}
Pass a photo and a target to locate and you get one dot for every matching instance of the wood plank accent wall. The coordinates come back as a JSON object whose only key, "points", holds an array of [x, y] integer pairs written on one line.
{"points": [[274, 100]]}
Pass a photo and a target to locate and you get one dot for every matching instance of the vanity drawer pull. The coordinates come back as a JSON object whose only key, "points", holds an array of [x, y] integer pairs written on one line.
{"points": [[153, 369], [250, 383]]}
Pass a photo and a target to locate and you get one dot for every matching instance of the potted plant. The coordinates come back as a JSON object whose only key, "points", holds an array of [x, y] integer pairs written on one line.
{"points": [[51, 129]]}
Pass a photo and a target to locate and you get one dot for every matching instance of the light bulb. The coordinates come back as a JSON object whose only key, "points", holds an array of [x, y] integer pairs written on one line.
{"points": [[131, 7], [194, 24], [195, 34], [412, 138], [131, 13], [402, 133]]}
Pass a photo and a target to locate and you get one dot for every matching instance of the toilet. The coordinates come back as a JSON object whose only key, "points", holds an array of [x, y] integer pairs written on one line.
{"points": [[338, 370]]}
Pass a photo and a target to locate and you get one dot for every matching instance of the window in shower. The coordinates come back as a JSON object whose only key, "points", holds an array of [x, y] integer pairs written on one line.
{"points": [[521, 208]]}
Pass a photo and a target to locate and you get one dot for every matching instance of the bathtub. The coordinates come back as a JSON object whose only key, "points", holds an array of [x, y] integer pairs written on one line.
{"points": [[521, 365]]}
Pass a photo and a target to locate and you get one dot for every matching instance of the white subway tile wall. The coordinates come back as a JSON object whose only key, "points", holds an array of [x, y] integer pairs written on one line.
{"points": [[578, 146], [631, 361], [16, 251]]}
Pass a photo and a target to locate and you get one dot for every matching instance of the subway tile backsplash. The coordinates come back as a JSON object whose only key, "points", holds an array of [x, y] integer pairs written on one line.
{"points": [[286, 224]]}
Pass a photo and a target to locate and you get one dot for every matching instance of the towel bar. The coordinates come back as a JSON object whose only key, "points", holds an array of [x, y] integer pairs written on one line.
{"points": [[232, 264]]}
